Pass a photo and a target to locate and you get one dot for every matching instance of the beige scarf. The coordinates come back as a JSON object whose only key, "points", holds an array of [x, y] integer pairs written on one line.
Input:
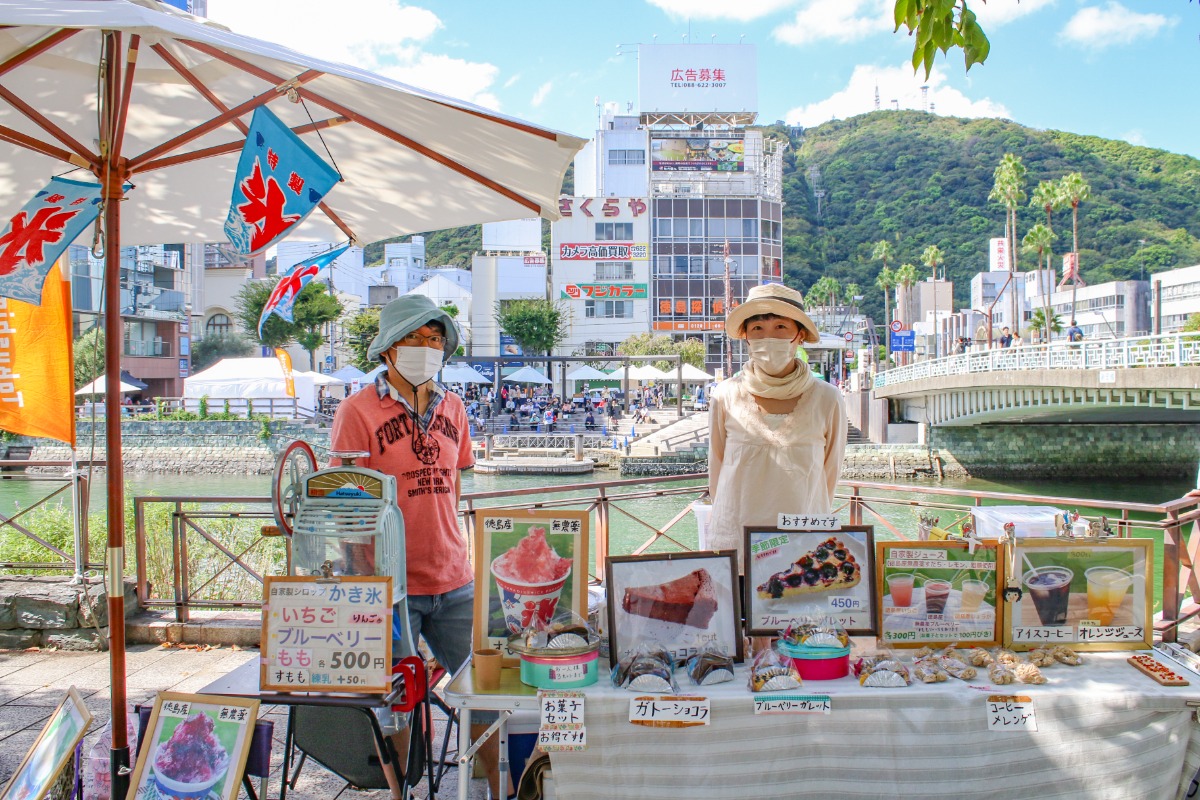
{"points": [[761, 384]]}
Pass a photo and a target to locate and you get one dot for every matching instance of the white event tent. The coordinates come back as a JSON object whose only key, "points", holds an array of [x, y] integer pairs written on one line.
{"points": [[247, 379]]}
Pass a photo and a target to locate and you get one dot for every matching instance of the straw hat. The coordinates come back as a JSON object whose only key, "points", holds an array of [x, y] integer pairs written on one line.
{"points": [[772, 298], [403, 316]]}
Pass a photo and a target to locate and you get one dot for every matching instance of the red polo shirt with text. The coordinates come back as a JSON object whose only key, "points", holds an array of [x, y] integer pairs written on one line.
{"points": [[426, 465]]}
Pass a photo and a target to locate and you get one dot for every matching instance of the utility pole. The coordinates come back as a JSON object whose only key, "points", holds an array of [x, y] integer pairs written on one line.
{"points": [[728, 308]]}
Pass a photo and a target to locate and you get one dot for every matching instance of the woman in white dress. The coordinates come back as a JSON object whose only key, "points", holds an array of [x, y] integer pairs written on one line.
{"points": [[777, 435]]}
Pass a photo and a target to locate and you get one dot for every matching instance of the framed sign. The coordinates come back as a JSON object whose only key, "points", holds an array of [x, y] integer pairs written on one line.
{"points": [[1090, 595], [51, 750], [327, 635], [938, 593], [678, 601], [529, 565], [794, 574], [195, 746]]}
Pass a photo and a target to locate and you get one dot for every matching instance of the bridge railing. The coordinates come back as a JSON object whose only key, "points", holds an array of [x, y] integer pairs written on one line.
{"points": [[1167, 350]]}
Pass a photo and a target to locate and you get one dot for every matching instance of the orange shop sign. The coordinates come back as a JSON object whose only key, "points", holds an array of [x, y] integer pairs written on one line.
{"points": [[633, 291], [699, 325]]}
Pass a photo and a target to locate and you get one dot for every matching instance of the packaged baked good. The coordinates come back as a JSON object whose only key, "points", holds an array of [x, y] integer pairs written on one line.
{"points": [[1028, 673], [770, 672], [951, 651], [928, 670], [814, 633], [922, 652], [645, 669], [1000, 674], [1065, 655], [710, 666], [957, 668], [882, 671], [1005, 656], [978, 657], [1040, 657]]}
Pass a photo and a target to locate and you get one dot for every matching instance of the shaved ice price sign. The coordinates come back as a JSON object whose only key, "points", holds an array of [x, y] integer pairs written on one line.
{"points": [[327, 636], [530, 570]]}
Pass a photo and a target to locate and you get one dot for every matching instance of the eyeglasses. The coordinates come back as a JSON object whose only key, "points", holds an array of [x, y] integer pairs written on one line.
{"points": [[415, 339]]}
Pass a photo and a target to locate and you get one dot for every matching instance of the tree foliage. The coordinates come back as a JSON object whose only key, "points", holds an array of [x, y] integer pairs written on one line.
{"points": [[647, 344], [211, 349], [315, 308], [89, 356], [360, 330], [537, 325], [939, 25]]}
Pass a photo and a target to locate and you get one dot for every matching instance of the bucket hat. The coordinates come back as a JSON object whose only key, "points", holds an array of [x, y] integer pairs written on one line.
{"points": [[772, 298], [404, 315]]}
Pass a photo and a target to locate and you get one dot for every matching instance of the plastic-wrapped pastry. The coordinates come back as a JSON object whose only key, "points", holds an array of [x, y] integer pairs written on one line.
{"points": [[1041, 658], [1028, 673], [927, 670], [957, 668], [1006, 657], [950, 651], [711, 665], [827, 632], [922, 652], [978, 657], [647, 669], [882, 671], [770, 672], [999, 674], [1065, 655]]}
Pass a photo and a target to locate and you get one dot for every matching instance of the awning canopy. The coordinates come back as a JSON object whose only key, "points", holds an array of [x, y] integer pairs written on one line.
{"points": [[99, 386], [526, 375]]}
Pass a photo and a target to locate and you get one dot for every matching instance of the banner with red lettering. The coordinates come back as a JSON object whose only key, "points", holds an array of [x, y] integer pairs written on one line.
{"points": [[285, 361], [40, 232], [37, 374], [280, 181]]}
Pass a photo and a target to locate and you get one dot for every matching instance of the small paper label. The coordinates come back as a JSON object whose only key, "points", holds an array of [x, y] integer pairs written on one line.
{"points": [[808, 522], [569, 672], [1112, 633], [793, 704], [565, 526], [669, 712], [555, 740], [561, 708], [1010, 713], [1046, 634]]}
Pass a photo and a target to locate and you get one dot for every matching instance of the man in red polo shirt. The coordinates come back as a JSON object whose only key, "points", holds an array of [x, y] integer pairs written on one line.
{"points": [[417, 431]]}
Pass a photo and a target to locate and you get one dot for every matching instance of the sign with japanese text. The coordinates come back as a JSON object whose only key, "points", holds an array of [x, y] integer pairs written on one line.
{"points": [[530, 566], [936, 593], [603, 207], [606, 291], [694, 325], [665, 711], [697, 154], [327, 635], [808, 522], [815, 571], [1010, 713], [561, 721], [697, 78], [902, 341], [1089, 595], [39, 233], [279, 182], [603, 251], [771, 703]]}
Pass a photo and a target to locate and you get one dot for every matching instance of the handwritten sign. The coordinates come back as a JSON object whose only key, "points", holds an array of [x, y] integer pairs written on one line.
{"points": [[1010, 713], [808, 522], [665, 711], [333, 636], [793, 704], [561, 725]]}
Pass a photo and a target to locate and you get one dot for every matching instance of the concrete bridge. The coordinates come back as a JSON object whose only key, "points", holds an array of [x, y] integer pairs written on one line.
{"points": [[1145, 379]]}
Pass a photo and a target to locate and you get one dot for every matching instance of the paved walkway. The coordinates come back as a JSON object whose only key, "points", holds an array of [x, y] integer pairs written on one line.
{"points": [[33, 682]]}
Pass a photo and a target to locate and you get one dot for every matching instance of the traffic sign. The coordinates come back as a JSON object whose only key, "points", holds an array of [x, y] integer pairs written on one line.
{"points": [[848, 336], [849, 354], [903, 341], [897, 325]]}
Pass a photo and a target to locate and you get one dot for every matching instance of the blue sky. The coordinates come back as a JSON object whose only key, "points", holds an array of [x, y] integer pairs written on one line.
{"points": [[1120, 69]]}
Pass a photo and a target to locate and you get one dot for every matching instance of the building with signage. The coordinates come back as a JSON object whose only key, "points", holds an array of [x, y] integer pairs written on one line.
{"points": [[713, 189], [516, 272]]}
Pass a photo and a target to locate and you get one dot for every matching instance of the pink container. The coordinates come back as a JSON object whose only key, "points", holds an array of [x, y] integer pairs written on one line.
{"points": [[819, 663]]}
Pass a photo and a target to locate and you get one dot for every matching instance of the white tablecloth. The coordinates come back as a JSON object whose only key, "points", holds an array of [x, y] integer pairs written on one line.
{"points": [[1104, 731]]}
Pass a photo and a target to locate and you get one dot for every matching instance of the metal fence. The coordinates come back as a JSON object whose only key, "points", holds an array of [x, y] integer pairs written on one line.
{"points": [[210, 553], [71, 484]]}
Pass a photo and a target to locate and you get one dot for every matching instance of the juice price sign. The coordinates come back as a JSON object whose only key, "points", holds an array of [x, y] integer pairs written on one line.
{"points": [[327, 636]]}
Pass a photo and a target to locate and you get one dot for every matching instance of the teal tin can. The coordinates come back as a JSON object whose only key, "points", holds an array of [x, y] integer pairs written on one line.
{"points": [[560, 672]]}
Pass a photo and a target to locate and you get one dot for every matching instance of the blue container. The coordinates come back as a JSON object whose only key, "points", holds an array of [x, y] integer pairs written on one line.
{"points": [[818, 663]]}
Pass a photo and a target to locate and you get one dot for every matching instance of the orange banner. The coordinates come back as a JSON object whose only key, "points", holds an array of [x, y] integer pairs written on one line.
{"points": [[37, 372], [285, 361]]}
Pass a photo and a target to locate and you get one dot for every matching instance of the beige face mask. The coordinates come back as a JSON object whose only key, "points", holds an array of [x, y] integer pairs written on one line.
{"points": [[772, 355]]}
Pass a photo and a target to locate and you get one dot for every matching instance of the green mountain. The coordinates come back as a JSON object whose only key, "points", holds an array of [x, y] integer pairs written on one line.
{"points": [[918, 179]]}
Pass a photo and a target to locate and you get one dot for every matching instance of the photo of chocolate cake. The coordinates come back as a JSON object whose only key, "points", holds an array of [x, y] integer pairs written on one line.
{"points": [[688, 600]]}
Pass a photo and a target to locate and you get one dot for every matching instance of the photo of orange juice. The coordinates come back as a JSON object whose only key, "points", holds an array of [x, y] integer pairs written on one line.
{"points": [[1106, 590]]}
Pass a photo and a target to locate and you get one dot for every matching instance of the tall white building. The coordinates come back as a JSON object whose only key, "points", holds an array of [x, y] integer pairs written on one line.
{"points": [[1177, 296], [516, 272]]}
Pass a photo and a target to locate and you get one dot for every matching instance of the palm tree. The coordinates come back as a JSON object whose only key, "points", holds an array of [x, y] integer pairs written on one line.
{"points": [[885, 281], [907, 277], [1048, 197], [824, 293], [931, 258], [1038, 240], [1038, 322], [1008, 190], [882, 252], [1074, 191]]}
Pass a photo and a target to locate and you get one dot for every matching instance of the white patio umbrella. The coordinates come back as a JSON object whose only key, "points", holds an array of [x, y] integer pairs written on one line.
{"points": [[133, 92], [587, 373], [691, 374], [348, 373], [527, 375], [647, 372], [321, 379], [100, 386], [462, 373]]}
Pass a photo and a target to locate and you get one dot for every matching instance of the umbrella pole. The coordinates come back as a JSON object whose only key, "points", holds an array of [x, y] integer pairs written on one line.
{"points": [[114, 192]]}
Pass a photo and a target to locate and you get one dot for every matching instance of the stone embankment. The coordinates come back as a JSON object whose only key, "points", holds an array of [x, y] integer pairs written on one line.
{"points": [[50, 612]]}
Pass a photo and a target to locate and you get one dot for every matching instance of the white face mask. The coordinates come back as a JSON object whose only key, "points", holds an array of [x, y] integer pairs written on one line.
{"points": [[417, 364], [773, 356]]}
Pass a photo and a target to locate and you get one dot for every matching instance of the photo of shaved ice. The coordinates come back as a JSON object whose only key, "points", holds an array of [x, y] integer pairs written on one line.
{"points": [[532, 561], [192, 757]]}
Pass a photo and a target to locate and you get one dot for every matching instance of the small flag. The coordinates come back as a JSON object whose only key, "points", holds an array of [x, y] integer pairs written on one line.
{"points": [[40, 232], [283, 297], [280, 180], [285, 361]]}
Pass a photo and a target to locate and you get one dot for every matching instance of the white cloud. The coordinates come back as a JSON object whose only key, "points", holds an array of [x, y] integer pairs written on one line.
{"points": [[539, 96], [512, 79], [1112, 25], [1135, 136], [895, 83], [838, 20], [739, 10], [382, 36], [996, 14]]}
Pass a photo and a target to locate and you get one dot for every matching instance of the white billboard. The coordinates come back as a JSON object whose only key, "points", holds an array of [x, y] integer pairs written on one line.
{"points": [[513, 236], [697, 78], [998, 255]]}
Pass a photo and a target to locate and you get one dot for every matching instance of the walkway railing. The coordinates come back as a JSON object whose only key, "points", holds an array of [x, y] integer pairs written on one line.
{"points": [[1168, 350], [71, 484], [209, 552]]}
